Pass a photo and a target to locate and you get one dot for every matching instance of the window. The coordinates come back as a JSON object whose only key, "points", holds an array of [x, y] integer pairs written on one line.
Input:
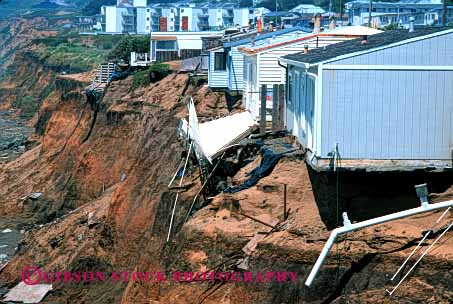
{"points": [[182, 10], [148, 10], [219, 61], [171, 19], [168, 45], [147, 18]]}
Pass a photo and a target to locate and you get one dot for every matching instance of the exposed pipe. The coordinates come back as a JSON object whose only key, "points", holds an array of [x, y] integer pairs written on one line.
{"points": [[176, 173], [177, 194], [348, 227]]}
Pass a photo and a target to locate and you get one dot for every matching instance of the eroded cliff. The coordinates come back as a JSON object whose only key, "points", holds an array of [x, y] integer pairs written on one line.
{"points": [[104, 169]]}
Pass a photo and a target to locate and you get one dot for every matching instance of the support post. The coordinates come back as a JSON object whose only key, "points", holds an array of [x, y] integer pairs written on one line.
{"points": [[281, 106], [285, 214], [263, 109], [275, 108], [257, 220]]}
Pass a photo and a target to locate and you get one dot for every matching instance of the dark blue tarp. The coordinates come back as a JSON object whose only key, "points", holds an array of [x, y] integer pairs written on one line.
{"points": [[268, 161]]}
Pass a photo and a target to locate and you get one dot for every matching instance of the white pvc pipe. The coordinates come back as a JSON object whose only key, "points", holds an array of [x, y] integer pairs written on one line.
{"points": [[419, 244], [356, 226], [176, 173], [177, 194]]}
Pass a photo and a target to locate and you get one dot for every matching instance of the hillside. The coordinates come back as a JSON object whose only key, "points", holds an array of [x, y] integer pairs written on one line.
{"points": [[33, 55], [104, 168]]}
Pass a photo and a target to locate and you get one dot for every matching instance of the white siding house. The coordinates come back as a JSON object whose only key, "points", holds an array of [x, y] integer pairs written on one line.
{"points": [[381, 105], [261, 62], [233, 78], [166, 46], [217, 73]]}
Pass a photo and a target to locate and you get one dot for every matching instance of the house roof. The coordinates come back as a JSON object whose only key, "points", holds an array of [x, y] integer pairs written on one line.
{"points": [[350, 31], [307, 8], [355, 45], [262, 36], [166, 38]]}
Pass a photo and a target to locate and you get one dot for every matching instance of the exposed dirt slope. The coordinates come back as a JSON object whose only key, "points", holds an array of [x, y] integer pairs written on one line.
{"points": [[112, 162]]}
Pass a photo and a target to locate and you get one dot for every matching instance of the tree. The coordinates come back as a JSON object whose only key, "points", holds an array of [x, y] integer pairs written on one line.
{"points": [[93, 7], [129, 44]]}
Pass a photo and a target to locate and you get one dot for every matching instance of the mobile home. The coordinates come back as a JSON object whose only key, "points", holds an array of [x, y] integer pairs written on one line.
{"points": [[380, 103]]}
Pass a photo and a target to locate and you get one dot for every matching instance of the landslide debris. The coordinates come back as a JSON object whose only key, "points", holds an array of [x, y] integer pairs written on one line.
{"points": [[106, 207]]}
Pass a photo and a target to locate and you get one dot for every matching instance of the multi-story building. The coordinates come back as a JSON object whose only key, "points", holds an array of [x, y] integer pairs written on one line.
{"points": [[134, 16], [127, 16], [424, 12]]}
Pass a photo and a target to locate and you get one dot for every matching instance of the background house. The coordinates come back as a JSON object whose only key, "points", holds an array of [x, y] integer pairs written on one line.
{"points": [[384, 103], [226, 69], [167, 46]]}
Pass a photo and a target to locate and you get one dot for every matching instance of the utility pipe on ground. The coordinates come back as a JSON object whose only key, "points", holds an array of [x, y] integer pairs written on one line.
{"points": [[425, 207]]}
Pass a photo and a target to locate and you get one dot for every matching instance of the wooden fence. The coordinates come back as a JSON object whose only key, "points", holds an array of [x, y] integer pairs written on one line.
{"points": [[278, 108], [163, 56]]}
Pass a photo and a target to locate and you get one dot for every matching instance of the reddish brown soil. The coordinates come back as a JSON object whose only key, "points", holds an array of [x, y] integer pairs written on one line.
{"points": [[84, 151]]}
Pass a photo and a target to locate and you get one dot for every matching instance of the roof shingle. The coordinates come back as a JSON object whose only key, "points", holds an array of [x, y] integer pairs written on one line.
{"points": [[355, 45]]}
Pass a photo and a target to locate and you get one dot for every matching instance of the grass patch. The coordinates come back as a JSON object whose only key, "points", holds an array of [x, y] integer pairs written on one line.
{"points": [[71, 57], [74, 53]]}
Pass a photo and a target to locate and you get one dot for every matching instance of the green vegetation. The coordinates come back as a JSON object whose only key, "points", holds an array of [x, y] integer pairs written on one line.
{"points": [[128, 44], [74, 53], [27, 104], [144, 78], [72, 57], [392, 26], [94, 6]]}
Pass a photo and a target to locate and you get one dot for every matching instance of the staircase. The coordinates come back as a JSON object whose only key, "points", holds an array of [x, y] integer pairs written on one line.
{"points": [[103, 77]]}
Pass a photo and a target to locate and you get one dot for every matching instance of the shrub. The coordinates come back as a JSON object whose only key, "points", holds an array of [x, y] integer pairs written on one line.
{"points": [[392, 26], [145, 77]]}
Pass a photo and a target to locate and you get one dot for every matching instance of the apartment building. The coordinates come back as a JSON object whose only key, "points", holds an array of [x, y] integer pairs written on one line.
{"points": [[135, 17]]}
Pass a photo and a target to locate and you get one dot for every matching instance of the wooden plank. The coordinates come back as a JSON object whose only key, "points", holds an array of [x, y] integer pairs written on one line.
{"points": [[263, 109], [281, 106], [275, 114]]}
